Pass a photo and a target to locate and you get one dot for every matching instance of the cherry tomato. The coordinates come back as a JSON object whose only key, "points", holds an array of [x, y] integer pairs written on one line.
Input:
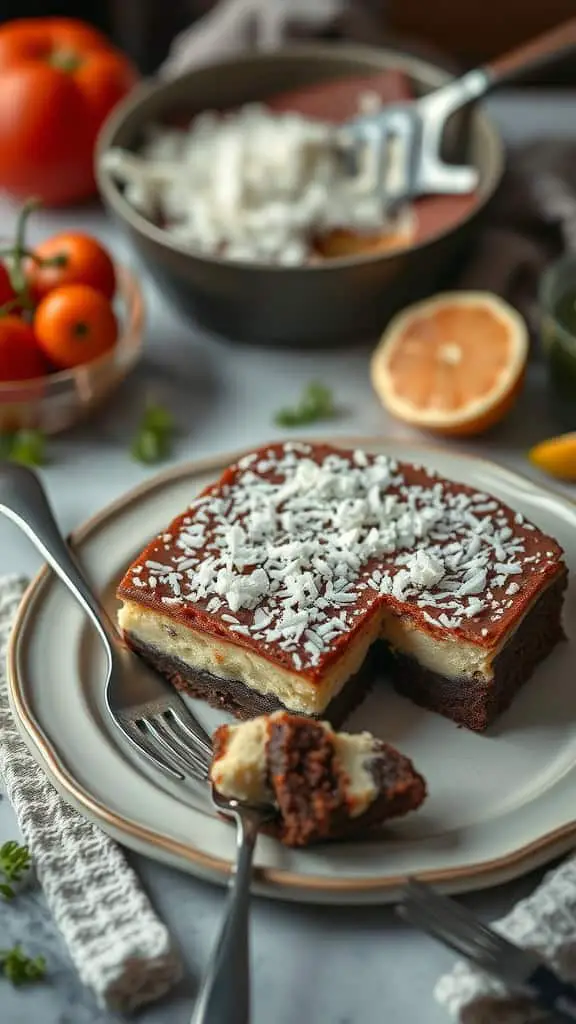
{"points": [[80, 260], [20, 356], [75, 324]]}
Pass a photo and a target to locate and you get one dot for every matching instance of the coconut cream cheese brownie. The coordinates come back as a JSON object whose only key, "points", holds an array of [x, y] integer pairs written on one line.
{"points": [[305, 567], [325, 785]]}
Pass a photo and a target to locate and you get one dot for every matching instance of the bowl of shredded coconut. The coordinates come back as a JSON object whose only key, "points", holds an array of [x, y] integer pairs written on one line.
{"points": [[231, 183]]}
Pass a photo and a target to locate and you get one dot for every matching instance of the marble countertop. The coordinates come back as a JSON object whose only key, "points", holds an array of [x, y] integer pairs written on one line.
{"points": [[324, 965]]}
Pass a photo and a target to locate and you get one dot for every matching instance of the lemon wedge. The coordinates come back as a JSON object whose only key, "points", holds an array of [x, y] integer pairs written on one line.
{"points": [[557, 456]]}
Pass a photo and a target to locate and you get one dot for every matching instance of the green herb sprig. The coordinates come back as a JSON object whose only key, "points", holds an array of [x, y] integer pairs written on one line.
{"points": [[14, 862], [27, 447], [316, 403], [153, 440], [19, 968]]}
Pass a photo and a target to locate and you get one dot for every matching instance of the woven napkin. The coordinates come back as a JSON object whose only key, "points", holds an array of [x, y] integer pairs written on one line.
{"points": [[115, 940], [546, 922]]}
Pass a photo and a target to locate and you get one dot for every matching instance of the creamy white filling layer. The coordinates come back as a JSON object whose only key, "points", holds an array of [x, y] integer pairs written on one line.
{"points": [[355, 751], [225, 660], [241, 769], [452, 658], [240, 772]]}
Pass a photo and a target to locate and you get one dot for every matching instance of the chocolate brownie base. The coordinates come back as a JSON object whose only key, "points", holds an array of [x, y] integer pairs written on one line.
{"points": [[472, 702], [311, 789], [243, 702], [476, 703]]}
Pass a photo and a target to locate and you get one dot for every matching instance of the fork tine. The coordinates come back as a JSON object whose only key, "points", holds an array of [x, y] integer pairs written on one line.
{"points": [[464, 932], [181, 759], [139, 740], [192, 730], [181, 743], [459, 916], [416, 916], [423, 920]]}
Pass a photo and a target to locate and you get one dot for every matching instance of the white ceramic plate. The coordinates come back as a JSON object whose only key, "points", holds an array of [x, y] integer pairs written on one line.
{"points": [[499, 804]]}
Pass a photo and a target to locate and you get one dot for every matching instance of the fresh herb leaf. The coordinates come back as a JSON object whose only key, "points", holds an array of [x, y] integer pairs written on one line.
{"points": [[14, 861], [153, 440], [150, 447], [28, 447], [7, 891], [19, 968], [158, 419], [25, 446], [316, 403]]}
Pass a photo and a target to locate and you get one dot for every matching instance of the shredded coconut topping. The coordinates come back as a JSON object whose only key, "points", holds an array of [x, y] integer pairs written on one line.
{"points": [[252, 184], [297, 546]]}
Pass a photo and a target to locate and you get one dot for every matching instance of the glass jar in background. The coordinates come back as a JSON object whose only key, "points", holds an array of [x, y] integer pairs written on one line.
{"points": [[557, 297]]}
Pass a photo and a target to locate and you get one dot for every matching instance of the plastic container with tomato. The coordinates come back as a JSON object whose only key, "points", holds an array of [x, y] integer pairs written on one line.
{"points": [[58, 399]]}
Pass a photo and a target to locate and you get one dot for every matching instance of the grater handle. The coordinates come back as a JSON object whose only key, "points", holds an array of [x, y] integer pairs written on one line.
{"points": [[531, 55]]}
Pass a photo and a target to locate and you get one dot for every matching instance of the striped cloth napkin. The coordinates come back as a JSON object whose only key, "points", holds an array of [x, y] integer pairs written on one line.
{"points": [[119, 947]]}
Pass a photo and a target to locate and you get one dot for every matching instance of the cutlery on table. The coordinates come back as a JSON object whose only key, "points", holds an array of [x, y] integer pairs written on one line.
{"points": [[404, 139], [458, 928], [160, 726]]}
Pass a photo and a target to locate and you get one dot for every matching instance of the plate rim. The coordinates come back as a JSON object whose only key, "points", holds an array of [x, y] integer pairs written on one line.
{"points": [[281, 882]]}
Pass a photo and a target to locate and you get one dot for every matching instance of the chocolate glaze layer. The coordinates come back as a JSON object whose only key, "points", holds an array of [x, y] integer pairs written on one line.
{"points": [[482, 630]]}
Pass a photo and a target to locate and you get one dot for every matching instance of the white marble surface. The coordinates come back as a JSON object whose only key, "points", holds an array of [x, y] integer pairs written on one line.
{"points": [[326, 965]]}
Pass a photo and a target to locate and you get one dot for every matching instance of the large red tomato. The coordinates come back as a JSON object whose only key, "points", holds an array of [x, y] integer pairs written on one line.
{"points": [[59, 79]]}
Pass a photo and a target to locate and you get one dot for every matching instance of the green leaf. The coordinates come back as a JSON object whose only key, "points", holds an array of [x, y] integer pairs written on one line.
{"points": [[14, 860], [7, 891], [150, 447], [316, 403], [28, 448], [158, 419], [153, 440], [21, 969]]}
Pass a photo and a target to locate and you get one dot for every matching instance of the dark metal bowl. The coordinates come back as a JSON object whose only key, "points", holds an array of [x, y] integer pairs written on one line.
{"points": [[335, 302]]}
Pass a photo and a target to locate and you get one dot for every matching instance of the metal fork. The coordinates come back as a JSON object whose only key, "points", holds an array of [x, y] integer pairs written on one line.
{"points": [[403, 140], [460, 930], [160, 727]]}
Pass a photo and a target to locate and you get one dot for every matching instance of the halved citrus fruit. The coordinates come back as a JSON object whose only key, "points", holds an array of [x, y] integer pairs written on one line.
{"points": [[453, 364], [556, 456]]}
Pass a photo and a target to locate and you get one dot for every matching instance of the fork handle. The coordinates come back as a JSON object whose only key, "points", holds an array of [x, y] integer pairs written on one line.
{"points": [[24, 501], [224, 996], [553, 993], [532, 54]]}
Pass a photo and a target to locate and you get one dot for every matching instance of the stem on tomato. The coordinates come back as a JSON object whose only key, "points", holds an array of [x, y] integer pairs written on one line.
{"points": [[19, 253], [28, 253], [10, 306], [65, 60]]}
